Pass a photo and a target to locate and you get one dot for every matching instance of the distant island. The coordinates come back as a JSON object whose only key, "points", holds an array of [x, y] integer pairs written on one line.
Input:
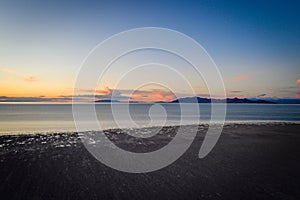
{"points": [[107, 101], [227, 100], [210, 100]]}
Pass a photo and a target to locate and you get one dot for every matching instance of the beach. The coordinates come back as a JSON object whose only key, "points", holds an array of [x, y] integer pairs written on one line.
{"points": [[250, 161]]}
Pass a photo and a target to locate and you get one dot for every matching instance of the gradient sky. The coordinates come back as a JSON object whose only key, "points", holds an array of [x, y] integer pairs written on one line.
{"points": [[255, 44]]}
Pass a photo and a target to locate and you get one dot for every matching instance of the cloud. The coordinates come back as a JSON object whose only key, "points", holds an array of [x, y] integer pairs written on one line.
{"points": [[297, 95], [29, 79], [127, 95], [105, 91], [7, 70], [261, 95], [84, 95], [35, 99], [152, 95], [236, 91], [62, 98], [100, 94], [238, 78]]}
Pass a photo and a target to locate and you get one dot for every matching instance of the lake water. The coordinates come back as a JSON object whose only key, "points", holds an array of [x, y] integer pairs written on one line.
{"points": [[42, 118]]}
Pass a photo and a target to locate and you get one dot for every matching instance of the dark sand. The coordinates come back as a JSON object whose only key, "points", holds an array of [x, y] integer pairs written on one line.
{"points": [[248, 162]]}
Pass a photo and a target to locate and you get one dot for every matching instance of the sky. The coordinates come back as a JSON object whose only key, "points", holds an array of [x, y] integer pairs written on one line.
{"points": [[255, 44]]}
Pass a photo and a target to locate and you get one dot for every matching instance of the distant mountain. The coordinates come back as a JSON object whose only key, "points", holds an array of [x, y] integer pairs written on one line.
{"points": [[115, 101], [245, 100], [191, 100], [227, 100], [282, 101], [106, 101], [208, 100]]}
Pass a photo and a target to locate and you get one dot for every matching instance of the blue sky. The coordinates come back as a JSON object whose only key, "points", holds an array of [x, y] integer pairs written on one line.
{"points": [[255, 44]]}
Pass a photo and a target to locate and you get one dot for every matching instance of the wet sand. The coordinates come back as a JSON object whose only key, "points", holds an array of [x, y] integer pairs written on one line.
{"points": [[249, 162]]}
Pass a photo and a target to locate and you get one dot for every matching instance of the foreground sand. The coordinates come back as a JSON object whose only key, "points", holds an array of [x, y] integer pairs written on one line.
{"points": [[248, 162]]}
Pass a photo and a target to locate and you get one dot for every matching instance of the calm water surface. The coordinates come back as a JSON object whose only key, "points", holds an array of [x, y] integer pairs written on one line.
{"points": [[36, 118]]}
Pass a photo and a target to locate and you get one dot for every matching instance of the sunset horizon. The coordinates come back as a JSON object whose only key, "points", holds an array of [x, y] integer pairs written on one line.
{"points": [[257, 59], [139, 99]]}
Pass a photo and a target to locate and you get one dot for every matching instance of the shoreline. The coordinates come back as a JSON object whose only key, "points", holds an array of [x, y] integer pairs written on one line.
{"points": [[248, 162], [226, 123]]}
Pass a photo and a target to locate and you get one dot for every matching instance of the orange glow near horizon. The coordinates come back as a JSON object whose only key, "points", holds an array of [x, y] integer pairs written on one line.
{"points": [[11, 91], [152, 97], [239, 78]]}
